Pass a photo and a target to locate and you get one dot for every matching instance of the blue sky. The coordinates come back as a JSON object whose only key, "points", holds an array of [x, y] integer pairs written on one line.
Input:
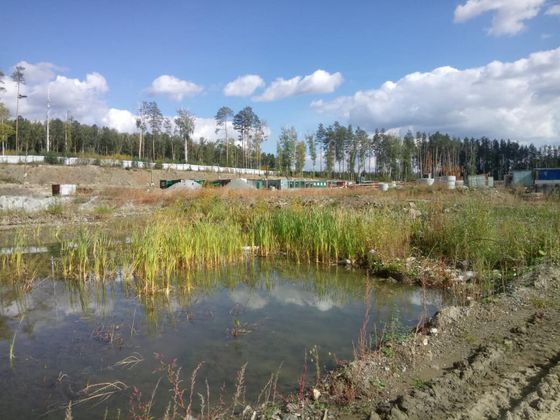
{"points": [[358, 45]]}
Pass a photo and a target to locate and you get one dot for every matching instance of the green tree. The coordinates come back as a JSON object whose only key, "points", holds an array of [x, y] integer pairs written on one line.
{"points": [[279, 158], [287, 143], [185, 123], [245, 122], [155, 120], [329, 140], [321, 141], [310, 138], [351, 148], [6, 129], [408, 154], [300, 157], [222, 117], [258, 138], [2, 88], [19, 78], [142, 125], [339, 144], [362, 142]]}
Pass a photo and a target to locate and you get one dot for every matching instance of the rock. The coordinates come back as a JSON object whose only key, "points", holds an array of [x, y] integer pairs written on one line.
{"points": [[446, 316], [433, 331], [250, 248], [374, 416], [414, 214], [248, 409], [519, 330], [425, 341], [316, 394], [345, 261], [291, 407]]}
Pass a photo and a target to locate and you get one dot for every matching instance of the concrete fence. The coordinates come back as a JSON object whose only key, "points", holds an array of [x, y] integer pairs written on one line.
{"points": [[74, 161]]}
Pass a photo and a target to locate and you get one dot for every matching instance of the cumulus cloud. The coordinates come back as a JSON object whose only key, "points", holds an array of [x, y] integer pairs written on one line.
{"points": [[553, 10], [319, 81], [206, 128], [244, 85], [120, 119], [82, 98], [172, 87], [509, 15], [518, 100]]}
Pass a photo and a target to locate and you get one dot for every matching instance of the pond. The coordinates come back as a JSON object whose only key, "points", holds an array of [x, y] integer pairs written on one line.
{"points": [[275, 317]]}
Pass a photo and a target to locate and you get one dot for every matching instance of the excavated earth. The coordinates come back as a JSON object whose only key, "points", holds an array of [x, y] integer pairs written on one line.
{"points": [[498, 359]]}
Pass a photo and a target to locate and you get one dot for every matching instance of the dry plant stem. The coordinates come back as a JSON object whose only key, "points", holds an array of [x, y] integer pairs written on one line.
{"points": [[239, 388]]}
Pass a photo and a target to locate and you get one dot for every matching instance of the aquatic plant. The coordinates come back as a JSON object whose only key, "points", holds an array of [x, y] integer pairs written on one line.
{"points": [[211, 230]]}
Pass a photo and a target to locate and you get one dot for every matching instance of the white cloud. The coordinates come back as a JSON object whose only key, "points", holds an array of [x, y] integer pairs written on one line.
{"points": [[553, 10], [518, 100], [244, 85], [509, 15], [249, 298], [121, 120], [319, 81], [83, 99], [173, 88], [206, 127]]}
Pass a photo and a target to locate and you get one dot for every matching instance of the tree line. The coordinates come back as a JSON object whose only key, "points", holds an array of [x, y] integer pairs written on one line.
{"points": [[332, 150], [346, 152]]}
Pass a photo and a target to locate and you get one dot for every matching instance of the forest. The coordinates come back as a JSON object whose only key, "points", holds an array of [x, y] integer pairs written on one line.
{"points": [[333, 150]]}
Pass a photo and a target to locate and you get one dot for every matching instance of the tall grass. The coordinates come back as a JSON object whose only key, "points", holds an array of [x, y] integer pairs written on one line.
{"points": [[326, 235], [210, 230], [489, 236], [168, 245]]}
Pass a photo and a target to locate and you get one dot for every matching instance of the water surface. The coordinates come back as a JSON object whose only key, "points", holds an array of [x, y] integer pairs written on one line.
{"points": [[265, 314]]}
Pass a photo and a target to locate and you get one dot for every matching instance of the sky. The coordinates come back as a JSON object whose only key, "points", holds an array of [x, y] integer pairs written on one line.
{"points": [[465, 67]]}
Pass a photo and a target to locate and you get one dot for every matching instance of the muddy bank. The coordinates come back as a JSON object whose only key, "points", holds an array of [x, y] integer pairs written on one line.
{"points": [[499, 358]]}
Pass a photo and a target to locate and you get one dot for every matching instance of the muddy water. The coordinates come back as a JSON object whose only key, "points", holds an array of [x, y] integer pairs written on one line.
{"points": [[264, 314]]}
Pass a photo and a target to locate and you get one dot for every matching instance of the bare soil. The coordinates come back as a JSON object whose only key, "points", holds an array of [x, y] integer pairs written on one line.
{"points": [[498, 359], [117, 192], [93, 176]]}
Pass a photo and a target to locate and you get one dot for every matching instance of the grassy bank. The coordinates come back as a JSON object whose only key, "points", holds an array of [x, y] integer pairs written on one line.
{"points": [[486, 234]]}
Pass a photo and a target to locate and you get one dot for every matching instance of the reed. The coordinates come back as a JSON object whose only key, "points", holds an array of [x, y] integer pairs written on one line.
{"points": [[212, 230]]}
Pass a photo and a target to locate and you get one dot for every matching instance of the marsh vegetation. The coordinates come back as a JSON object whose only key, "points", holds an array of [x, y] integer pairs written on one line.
{"points": [[236, 277]]}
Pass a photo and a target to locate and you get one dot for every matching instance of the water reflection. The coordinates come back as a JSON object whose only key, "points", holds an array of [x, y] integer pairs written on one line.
{"points": [[81, 331]]}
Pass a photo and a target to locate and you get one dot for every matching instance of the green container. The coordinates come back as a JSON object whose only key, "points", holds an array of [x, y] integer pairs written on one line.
{"points": [[522, 178], [166, 183]]}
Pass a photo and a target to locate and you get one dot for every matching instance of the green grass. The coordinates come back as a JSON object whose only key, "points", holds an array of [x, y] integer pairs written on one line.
{"points": [[490, 236], [212, 230]]}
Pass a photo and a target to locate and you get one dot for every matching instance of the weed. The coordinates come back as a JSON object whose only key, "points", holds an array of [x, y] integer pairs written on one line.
{"points": [[539, 302], [130, 362], [55, 209], [239, 395], [421, 384], [388, 351], [12, 355], [102, 212]]}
